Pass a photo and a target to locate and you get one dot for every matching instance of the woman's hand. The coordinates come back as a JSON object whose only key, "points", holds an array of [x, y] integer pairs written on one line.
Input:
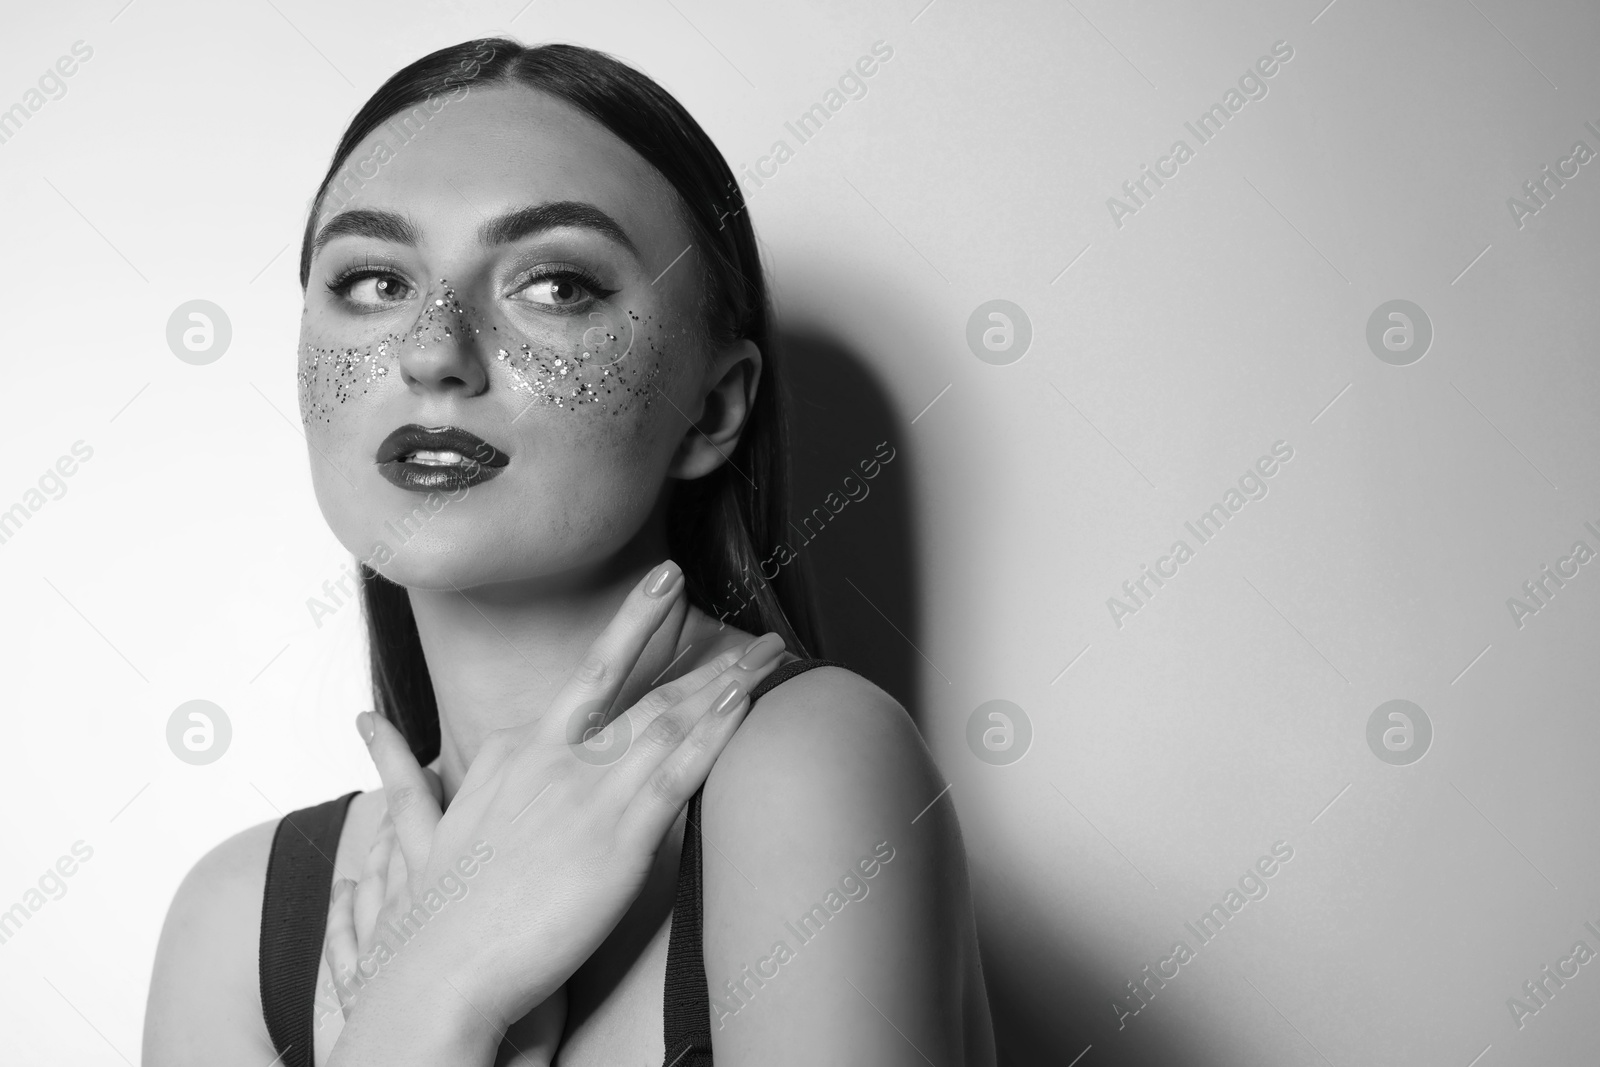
{"points": [[548, 841], [382, 896]]}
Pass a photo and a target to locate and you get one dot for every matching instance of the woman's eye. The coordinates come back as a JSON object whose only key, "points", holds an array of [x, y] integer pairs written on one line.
{"points": [[375, 290], [555, 290]]}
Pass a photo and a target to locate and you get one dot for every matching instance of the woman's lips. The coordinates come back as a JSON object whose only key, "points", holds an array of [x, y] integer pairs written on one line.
{"points": [[424, 459]]}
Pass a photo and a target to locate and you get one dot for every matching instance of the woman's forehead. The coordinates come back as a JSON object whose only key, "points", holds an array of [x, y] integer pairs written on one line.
{"points": [[492, 149]]}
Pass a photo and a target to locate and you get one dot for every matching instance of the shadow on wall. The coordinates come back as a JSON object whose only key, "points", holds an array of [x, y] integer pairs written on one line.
{"points": [[864, 562], [1046, 1004], [850, 501]]}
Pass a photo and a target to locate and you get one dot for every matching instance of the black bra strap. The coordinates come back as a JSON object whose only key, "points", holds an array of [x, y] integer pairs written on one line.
{"points": [[294, 918], [686, 1009]]}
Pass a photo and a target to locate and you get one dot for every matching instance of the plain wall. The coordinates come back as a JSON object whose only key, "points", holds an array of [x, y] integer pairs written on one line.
{"points": [[1171, 347]]}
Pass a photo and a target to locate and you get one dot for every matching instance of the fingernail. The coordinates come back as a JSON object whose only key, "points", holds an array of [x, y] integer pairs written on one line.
{"points": [[364, 726], [661, 579], [762, 651], [729, 699], [341, 887]]}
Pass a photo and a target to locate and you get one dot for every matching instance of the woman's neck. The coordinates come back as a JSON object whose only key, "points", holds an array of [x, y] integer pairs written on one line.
{"points": [[498, 656]]}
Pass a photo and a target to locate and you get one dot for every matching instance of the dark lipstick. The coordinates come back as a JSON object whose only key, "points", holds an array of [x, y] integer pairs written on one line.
{"points": [[426, 459]]}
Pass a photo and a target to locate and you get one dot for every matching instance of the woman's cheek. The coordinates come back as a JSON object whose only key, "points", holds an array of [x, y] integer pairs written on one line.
{"points": [[603, 361], [606, 396], [332, 371], [615, 364], [617, 451]]}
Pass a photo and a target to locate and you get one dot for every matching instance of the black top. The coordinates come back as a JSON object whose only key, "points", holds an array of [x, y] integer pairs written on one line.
{"points": [[294, 916]]}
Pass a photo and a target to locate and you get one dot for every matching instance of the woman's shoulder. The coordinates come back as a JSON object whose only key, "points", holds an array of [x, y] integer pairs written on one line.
{"points": [[207, 959], [821, 751], [234, 872], [823, 702], [204, 977], [825, 798], [218, 904], [826, 689], [222, 885]]}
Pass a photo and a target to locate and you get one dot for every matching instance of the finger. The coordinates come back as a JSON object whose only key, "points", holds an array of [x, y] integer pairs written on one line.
{"points": [[593, 686], [631, 723], [373, 887], [339, 946], [683, 768], [537, 1035], [435, 785], [673, 727], [396, 879], [406, 788]]}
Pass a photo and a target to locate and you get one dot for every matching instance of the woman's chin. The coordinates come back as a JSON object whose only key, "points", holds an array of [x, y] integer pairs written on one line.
{"points": [[442, 570], [424, 559], [442, 566]]}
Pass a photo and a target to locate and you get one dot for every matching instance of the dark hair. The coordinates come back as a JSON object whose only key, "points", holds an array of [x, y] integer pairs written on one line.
{"points": [[722, 528]]}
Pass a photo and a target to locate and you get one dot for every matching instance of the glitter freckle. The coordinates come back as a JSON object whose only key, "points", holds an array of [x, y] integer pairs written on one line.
{"points": [[329, 377]]}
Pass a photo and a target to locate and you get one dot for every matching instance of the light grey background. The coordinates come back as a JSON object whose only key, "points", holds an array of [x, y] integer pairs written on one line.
{"points": [[1167, 355]]}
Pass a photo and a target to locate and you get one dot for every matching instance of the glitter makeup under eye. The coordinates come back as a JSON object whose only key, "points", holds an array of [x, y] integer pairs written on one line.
{"points": [[605, 370]]}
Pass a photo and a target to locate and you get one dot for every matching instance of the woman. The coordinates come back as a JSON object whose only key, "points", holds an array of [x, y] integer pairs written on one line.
{"points": [[534, 362]]}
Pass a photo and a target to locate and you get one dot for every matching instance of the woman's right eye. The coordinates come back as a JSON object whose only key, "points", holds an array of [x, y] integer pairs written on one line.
{"points": [[372, 289]]}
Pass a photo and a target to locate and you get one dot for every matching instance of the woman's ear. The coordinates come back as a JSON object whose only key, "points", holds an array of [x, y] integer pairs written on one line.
{"points": [[731, 380]]}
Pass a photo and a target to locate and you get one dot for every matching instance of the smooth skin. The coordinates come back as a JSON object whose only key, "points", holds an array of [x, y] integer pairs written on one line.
{"points": [[512, 587]]}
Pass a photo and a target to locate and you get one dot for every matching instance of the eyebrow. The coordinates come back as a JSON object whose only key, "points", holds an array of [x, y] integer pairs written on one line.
{"points": [[515, 225], [363, 222], [502, 229]]}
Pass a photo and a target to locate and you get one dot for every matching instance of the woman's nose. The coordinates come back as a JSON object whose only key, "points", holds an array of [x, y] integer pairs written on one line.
{"points": [[443, 353], [444, 366]]}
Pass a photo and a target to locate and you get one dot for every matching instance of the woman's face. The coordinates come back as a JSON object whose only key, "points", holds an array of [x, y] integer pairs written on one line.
{"points": [[500, 351]]}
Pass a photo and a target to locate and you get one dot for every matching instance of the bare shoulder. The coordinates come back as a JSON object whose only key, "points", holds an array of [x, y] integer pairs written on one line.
{"points": [[205, 991], [223, 886], [827, 742], [204, 999], [830, 838]]}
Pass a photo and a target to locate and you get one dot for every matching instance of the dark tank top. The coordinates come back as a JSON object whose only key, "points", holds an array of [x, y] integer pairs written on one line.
{"points": [[294, 916]]}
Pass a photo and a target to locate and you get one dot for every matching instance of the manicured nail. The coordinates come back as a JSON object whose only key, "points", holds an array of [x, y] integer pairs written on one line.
{"points": [[729, 699], [341, 887], [762, 651], [364, 726], [661, 579]]}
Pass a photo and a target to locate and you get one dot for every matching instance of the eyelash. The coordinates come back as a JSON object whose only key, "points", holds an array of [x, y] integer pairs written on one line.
{"points": [[564, 272], [340, 284]]}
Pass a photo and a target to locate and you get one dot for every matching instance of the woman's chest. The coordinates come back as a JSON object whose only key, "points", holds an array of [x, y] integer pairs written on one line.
{"points": [[614, 1007], [614, 1001]]}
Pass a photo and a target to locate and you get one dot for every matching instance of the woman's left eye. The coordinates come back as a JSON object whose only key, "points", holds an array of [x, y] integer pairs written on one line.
{"points": [[559, 290]]}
